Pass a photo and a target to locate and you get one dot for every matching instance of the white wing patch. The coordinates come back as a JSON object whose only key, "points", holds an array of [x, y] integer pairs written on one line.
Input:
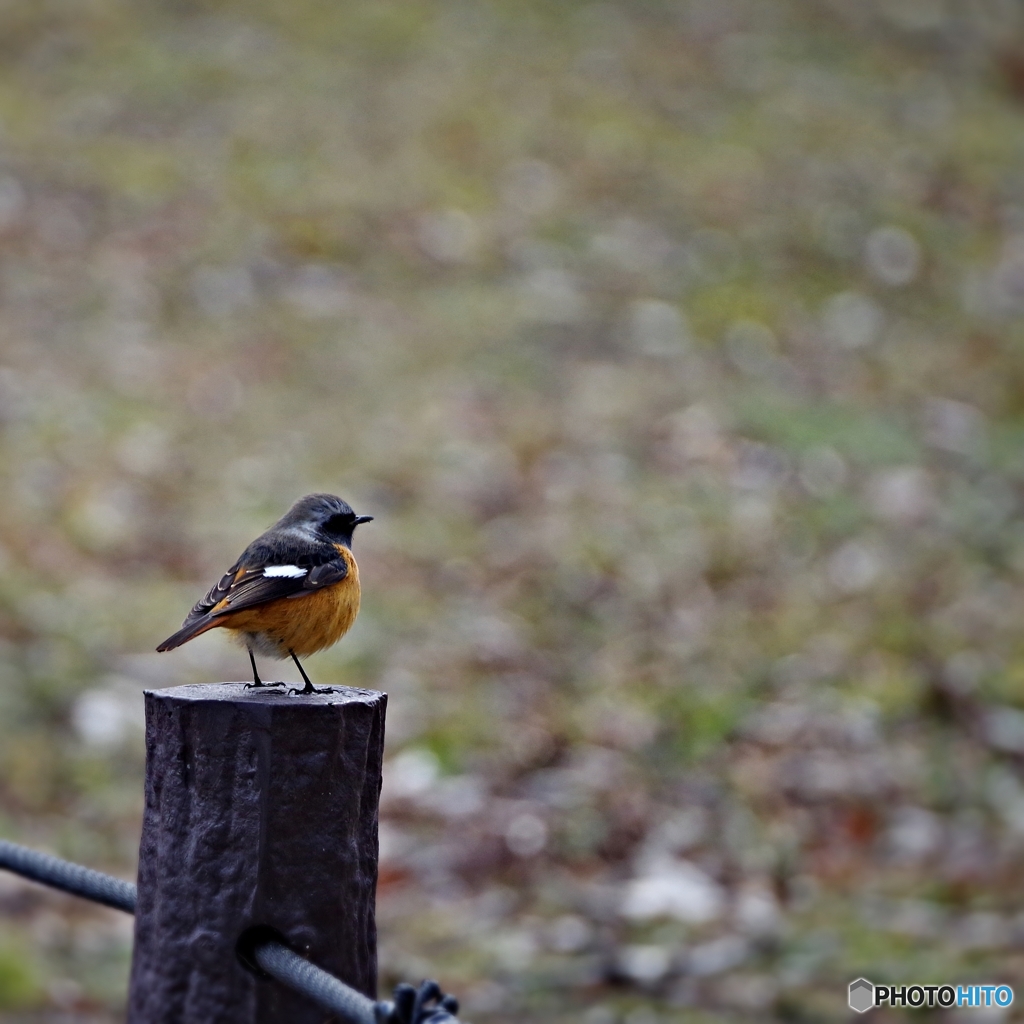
{"points": [[291, 571]]}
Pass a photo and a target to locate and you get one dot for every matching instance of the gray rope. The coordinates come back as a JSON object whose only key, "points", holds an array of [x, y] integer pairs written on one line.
{"points": [[425, 1005], [68, 877], [322, 988]]}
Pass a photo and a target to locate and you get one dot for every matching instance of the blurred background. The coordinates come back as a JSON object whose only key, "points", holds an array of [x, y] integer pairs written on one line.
{"points": [[677, 349]]}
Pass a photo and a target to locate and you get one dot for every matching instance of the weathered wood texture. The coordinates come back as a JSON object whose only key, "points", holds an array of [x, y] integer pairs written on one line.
{"points": [[261, 809]]}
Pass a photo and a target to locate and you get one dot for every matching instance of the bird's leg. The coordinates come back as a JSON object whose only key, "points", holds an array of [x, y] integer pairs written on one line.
{"points": [[257, 683], [309, 687]]}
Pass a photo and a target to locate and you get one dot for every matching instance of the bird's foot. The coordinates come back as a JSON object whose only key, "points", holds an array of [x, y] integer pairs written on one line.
{"points": [[260, 685], [310, 688]]}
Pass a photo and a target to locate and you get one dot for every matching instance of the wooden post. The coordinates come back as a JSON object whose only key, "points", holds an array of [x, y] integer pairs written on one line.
{"points": [[261, 812]]}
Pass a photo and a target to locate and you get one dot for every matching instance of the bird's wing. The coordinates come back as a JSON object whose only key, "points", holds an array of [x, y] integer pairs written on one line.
{"points": [[321, 576], [245, 586]]}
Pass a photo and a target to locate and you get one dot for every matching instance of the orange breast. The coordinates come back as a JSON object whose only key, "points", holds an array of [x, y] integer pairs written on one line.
{"points": [[304, 624]]}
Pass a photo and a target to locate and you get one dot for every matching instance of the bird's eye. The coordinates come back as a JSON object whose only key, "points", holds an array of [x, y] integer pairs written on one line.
{"points": [[341, 523]]}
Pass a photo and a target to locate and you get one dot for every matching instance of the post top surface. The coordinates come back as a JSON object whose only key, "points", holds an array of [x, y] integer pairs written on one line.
{"points": [[277, 696]]}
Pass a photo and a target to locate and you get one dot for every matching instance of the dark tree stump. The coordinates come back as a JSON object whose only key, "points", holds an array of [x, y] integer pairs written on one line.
{"points": [[261, 810]]}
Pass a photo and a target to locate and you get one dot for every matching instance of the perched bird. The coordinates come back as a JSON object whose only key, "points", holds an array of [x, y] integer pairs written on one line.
{"points": [[293, 591]]}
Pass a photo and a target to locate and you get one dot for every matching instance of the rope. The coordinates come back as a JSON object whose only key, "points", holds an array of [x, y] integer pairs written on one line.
{"points": [[425, 1005], [322, 988], [68, 877]]}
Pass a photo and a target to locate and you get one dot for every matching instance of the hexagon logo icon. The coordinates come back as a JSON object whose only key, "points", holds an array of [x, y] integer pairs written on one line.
{"points": [[862, 995]]}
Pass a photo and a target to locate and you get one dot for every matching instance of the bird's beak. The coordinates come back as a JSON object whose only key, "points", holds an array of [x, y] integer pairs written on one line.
{"points": [[363, 519]]}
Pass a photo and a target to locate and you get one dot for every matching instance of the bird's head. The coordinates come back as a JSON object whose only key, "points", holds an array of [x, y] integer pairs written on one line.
{"points": [[324, 515]]}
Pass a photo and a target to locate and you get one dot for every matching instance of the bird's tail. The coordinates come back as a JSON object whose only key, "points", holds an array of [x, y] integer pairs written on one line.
{"points": [[188, 631]]}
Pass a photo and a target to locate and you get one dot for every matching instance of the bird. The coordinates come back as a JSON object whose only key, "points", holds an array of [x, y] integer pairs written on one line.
{"points": [[293, 591]]}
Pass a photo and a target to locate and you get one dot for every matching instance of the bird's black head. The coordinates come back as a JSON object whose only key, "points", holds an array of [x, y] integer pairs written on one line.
{"points": [[325, 515]]}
